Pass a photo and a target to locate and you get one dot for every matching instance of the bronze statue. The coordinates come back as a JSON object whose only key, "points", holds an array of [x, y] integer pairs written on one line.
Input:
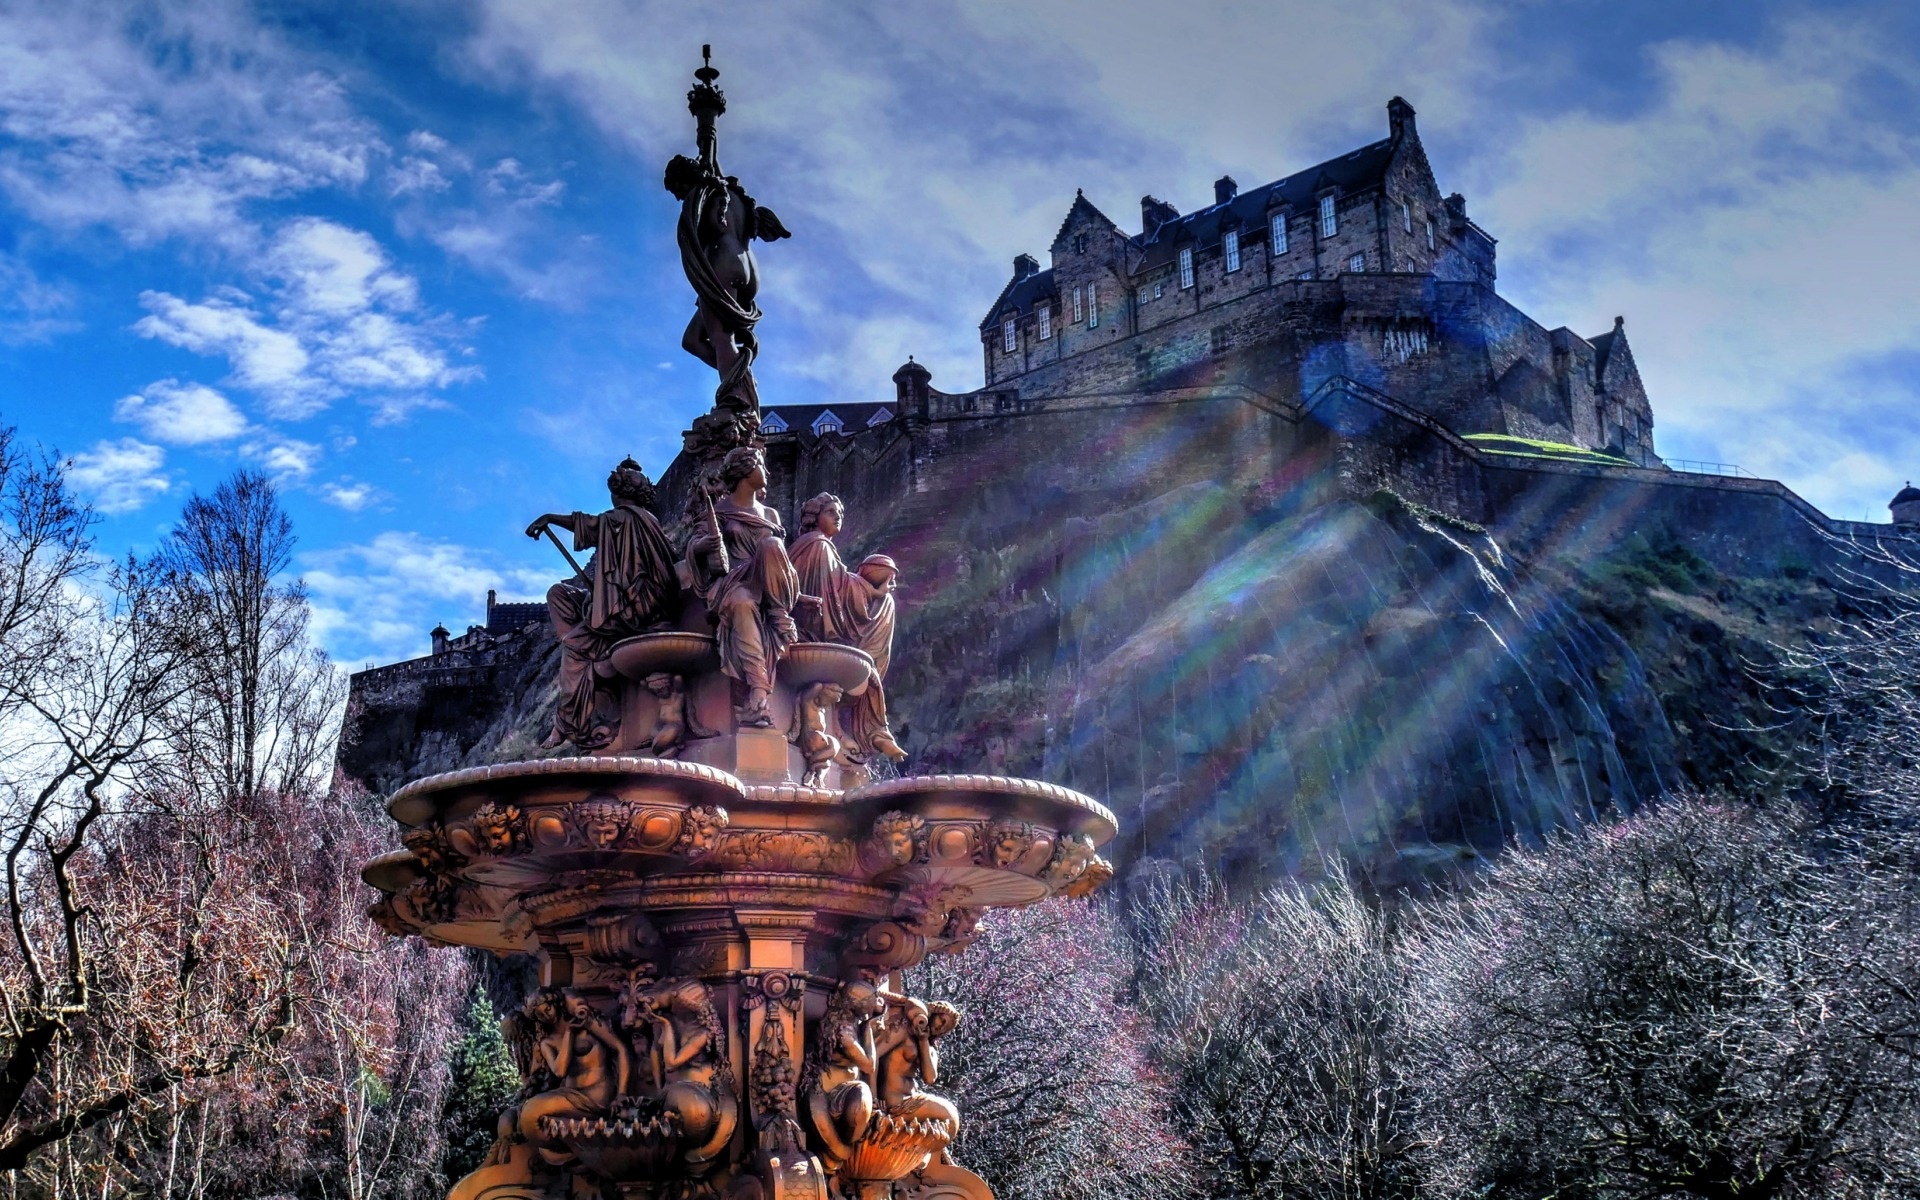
{"points": [[585, 1060], [856, 609], [718, 222], [810, 732], [631, 586], [686, 1059], [750, 587]]}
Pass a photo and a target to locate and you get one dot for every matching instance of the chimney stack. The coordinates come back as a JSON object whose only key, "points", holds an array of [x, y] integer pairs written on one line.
{"points": [[1225, 189], [1400, 118], [1025, 265], [1155, 213]]}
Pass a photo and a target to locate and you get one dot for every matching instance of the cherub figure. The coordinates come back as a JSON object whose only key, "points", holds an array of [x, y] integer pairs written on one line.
{"points": [[677, 719], [811, 730], [908, 1058]]}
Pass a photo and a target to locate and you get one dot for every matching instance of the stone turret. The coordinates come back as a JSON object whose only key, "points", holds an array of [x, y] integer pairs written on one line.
{"points": [[1906, 506]]}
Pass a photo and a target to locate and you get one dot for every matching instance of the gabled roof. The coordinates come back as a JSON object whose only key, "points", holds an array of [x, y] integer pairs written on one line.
{"points": [[1081, 206], [853, 417], [1603, 345], [1020, 295]]}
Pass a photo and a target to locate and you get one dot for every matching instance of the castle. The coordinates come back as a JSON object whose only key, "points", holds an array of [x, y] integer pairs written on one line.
{"points": [[1356, 266]]}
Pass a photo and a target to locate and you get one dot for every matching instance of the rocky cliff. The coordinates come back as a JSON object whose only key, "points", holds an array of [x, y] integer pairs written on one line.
{"points": [[1260, 674]]}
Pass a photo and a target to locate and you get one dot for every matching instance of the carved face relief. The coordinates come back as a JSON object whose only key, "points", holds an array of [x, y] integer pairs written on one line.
{"points": [[898, 838], [603, 822], [1098, 872], [1071, 856], [700, 830], [1007, 842], [498, 827]]}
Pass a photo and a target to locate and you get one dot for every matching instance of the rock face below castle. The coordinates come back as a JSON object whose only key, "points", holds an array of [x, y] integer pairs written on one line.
{"points": [[1367, 563]]}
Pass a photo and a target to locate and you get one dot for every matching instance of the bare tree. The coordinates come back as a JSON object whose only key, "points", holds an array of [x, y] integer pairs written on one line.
{"points": [[1050, 1066], [261, 700], [1280, 1018], [1688, 1003]]}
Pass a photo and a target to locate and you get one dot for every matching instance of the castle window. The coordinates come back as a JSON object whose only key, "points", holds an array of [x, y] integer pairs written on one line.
{"points": [[1308, 275], [773, 422], [1357, 263], [1232, 244], [1217, 339], [1279, 233], [1079, 308], [1146, 293], [1009, 335], [1186, 269], [1329, 221], [826, 422], [1429, 235], [1046, 321], [1406, 216], [1093, 306], [1079, 243]]}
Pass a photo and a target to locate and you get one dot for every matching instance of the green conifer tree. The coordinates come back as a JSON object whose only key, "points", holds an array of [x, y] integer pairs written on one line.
{"points": [[482, 1083]]}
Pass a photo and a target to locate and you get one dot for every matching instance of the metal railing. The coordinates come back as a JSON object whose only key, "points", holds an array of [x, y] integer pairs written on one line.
{"points": [[1695, 467]]}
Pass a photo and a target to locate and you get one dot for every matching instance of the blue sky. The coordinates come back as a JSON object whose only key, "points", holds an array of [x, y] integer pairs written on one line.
{"points": [[414, 259]]}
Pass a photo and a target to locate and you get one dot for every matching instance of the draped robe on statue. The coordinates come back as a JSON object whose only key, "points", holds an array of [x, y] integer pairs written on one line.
{"points": [[632, 588], [751, 603], [852, 612]]}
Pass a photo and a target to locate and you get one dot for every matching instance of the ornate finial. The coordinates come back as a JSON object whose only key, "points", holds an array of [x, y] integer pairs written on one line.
{"points": [[706, 73]]}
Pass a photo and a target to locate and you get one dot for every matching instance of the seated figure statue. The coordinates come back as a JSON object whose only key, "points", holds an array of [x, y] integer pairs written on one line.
{"points": [[685, 1068], [630, 587], [581, 1056], [856, 609], [740, 554]]}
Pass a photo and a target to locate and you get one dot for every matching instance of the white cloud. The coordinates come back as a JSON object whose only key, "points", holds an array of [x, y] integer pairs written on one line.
{"points": [[119, 476], [348, 494], [1743, 221], [269, 361], [378, 599], [169, 125], [340, 318], [288, 460], [181, 414]]}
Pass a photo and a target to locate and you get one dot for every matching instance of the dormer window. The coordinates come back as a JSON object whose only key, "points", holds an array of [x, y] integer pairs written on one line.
{"points": [[827, 422], [1009, 335], [1186, 267], [773, 422], [880, 418], [1046, 321], [1329, 221], [1093, 306], [1079, 306], [1231, 244], [1279, 233]]}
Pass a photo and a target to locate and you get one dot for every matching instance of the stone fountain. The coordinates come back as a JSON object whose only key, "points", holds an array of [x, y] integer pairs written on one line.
{"points": [[719, 887]]}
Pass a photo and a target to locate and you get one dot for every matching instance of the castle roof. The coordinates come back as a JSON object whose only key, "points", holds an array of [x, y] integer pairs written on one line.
{"points": [[1355, 171], [853, 417], [1908, 495]]}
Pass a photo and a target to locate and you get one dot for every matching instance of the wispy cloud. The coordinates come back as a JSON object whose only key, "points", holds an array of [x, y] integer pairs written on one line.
{"points": [[120, 476], [181, 414], [340, 317]]}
